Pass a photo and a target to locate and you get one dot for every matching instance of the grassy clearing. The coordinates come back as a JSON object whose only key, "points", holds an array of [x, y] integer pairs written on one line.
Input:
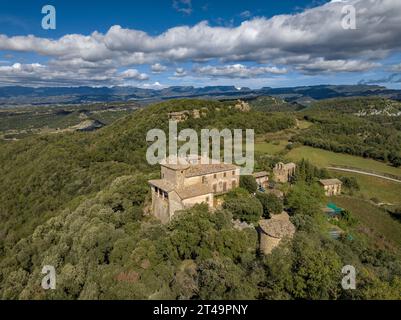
{"points": [[372, 219], [270, 147], [323, 158], [372, 187], [303, 124]]}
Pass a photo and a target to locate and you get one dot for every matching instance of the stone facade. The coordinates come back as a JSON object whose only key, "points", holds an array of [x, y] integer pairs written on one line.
{"points": [[262, 179], [284, 172], [183, 185], [332, 187]]}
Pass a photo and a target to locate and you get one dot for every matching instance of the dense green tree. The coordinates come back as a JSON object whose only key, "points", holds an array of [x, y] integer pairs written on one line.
{"points": [[370, 134], [308, 173], [305, 199], [245, 208], [351, 183], [248, 183], [270, 203], [221, 279]]}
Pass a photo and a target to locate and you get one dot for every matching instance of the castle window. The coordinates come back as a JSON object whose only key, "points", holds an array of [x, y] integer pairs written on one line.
{"points": [[203, 179], [225, 174], [207, 199], [215, 176], [215, 188], [233, 173]]}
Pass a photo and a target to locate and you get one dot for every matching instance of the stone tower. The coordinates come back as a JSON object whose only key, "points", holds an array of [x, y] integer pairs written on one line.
{"points": [[273, 230]]}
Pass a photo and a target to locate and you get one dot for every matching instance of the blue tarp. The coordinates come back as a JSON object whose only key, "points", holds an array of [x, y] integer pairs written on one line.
{"points": [[333, 207]]}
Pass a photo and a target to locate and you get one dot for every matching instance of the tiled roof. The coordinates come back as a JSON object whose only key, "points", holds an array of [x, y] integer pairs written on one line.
{"points": [[194, 191], [260, 174], [175, 163], [330, 182], [203, 169], [278, 226], [162, 184], [183, 193]]}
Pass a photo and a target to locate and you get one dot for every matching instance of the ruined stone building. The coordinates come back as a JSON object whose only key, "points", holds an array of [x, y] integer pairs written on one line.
{"points": [[242, 106], [273, 230], [284, 172], [181, 116], [332, 187], [186, 183], [178, 116]]}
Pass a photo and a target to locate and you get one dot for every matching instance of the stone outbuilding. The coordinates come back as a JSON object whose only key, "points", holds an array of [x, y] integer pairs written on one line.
{"points": [[273, 230], [332, 187], [262, 179]]}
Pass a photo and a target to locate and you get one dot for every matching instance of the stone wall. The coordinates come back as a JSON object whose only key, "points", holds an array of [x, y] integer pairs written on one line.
{"points": [[175, 177], [207, 198], [231, 181], [332, 190], [263, 181], [175, 204], [160, 207]]}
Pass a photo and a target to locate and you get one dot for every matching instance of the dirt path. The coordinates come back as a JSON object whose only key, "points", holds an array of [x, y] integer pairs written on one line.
{"points": [[364, 173]]}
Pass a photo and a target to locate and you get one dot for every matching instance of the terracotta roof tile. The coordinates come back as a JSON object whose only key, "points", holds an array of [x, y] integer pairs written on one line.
{"points": [[202, 169], [194, 191], [260, 174], [162, 184]]}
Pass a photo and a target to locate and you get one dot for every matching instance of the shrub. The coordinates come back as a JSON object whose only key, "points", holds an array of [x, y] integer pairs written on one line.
{"points": [[248, 208], [248, 183], [305, 199], [350, 183], [270, 203]]}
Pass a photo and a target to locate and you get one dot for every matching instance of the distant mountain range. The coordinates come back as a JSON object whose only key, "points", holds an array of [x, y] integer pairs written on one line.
{"points": [[19, 95]]}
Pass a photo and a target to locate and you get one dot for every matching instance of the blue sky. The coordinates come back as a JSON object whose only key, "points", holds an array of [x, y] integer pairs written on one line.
{"points": [[152, 44]]}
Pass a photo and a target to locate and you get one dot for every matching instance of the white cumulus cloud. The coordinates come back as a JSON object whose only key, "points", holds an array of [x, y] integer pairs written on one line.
{"points": [[312, 41], [238, 71]]}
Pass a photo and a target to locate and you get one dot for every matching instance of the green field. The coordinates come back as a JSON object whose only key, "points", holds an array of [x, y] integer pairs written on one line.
{"points": [[323, 158], [371, 187], [373, 219], [270, 147]]}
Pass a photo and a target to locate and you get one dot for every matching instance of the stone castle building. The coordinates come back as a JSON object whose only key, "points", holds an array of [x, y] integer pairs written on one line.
{"points": [[187, 182], [284, 172], [332, 187]]}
